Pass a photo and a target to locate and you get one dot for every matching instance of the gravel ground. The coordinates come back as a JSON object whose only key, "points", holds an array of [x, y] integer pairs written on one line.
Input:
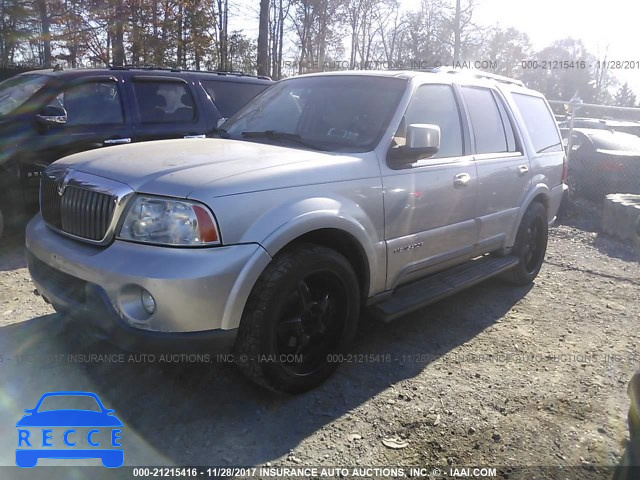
{"points": [[495, 376]]}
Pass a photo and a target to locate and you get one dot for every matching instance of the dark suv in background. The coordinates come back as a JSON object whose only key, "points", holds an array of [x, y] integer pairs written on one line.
{"points": [[49, 114]]}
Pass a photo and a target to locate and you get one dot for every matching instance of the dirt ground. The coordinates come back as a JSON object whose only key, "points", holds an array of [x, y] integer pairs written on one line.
{"points": [[494, 376]]}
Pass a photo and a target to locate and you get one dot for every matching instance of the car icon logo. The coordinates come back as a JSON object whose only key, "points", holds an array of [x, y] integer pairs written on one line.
{"points": [[69, 433]]}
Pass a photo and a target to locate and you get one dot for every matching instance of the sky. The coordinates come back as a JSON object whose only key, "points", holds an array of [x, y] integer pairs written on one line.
{"points": [[609, 26]]}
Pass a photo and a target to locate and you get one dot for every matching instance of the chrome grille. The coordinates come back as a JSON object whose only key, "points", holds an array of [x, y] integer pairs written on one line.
{"points": [[78, 211]]}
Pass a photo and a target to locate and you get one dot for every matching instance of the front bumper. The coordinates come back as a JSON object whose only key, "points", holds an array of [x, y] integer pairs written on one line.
{"points": [[196, 290]]}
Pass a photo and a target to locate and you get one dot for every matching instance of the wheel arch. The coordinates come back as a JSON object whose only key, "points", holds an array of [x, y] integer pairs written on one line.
{"points": [[540, 194], [340, 233], [345, 244]]}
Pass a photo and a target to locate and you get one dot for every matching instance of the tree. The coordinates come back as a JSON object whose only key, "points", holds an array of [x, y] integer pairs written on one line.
{"points": [[222, 27], [625, 97], [556, 81], [263, 39], [508, 47]]}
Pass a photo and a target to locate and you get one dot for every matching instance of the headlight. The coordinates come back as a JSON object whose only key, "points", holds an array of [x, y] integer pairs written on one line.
{"points": [[169, 222]]}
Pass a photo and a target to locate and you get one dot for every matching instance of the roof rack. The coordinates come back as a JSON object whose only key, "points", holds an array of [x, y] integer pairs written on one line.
{"points": [[479, 74], [179, 69]]}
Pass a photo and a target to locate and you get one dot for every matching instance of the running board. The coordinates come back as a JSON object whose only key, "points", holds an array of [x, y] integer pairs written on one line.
{"points": [[421, 293]]}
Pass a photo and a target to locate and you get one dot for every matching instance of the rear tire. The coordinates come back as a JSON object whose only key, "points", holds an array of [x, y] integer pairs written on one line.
{"points": [[530, 245], [306, 303]]}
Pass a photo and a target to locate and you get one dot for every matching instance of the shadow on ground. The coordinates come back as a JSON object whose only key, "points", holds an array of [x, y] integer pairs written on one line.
{"points": [[194, 414], [12, 251]]}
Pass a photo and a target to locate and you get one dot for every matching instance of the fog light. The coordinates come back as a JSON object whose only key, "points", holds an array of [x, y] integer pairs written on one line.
{"points": [[148, 302]]}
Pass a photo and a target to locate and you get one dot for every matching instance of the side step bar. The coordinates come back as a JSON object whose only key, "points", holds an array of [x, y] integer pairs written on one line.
{"points": [[421, 293]]}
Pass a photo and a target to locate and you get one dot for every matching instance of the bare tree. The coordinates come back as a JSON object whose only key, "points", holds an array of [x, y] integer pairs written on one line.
{"points": [[223, 42], [263, 39]]}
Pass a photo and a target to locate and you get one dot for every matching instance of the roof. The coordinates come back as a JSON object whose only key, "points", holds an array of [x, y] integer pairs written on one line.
{"points": [[448, 73], [78, 72]]}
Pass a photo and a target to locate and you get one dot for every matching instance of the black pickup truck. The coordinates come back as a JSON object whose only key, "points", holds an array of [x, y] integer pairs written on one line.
{"points": [[48, 114]]}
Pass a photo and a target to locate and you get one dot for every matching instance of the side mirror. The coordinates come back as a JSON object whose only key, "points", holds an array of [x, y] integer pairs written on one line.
{"points": [[52, 115], [422, 141], [220, 122]]}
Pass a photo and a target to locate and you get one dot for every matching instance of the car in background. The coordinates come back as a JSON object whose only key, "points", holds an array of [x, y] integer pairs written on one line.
{"points": [[48, 114], [624, 126], [601, 162]]}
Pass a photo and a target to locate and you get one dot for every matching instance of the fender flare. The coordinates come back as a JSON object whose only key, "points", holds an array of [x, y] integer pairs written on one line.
{"points": [[305, 216], [540, 189]]}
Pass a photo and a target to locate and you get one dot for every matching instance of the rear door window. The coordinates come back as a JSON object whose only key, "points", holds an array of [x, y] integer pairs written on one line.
{"points": [[489, 131], [229, 97], [164, 101], [539, 122]]}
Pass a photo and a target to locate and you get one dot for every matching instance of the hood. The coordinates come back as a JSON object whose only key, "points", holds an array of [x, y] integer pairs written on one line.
{"points": [[184, 166]]}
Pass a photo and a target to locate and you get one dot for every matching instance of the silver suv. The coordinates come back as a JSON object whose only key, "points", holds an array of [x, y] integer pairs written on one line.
{"points": [[327, 194]]}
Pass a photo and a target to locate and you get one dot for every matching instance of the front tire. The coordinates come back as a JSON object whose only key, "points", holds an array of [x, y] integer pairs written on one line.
{"points": [[530, 246], [301, 314]]}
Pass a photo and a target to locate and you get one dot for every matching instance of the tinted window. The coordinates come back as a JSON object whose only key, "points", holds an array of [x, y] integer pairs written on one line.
{"points": [[436, 105], [488, 129], [229, 97], [164, 102], [91, 103], [539, 122], [17, 90]]}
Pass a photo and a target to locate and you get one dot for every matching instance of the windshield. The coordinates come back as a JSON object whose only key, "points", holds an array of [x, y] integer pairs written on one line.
{"points": [[17, 90], [332, 113], [616, 141]]}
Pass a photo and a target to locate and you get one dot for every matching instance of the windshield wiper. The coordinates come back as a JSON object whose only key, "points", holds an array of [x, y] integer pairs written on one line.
{"points": [[275, 135], [221, 132]]}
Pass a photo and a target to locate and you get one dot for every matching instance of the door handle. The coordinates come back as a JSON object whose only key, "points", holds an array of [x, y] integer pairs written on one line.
{"points": [[461, 180], [202, 135], [117, 141], [522, 170]]}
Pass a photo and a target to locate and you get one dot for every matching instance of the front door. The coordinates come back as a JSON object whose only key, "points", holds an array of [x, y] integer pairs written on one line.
{"points": [[430, 207], [95, 119]]}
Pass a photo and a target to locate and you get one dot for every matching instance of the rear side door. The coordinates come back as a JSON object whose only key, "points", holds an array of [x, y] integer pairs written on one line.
{"points": [[96, 118], [430, 206], [504, 173], [166, 107]]}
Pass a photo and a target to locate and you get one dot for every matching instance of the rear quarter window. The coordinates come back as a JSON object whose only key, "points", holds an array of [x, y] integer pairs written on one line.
{"points": [[539, 122]]}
